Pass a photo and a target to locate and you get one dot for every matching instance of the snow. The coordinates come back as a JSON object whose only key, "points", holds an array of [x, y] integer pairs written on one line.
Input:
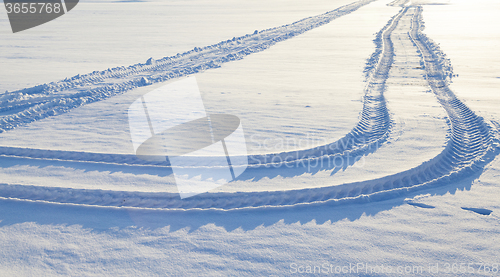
{"points": [[124, 33], [424, 199]]}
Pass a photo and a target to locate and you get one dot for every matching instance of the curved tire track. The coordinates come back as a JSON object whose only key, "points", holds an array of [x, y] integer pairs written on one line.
{"points": [[370, 132], [472, 144]]}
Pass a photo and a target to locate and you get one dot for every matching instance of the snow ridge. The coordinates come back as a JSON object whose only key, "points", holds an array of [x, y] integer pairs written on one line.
{"points": [[31, 104]]}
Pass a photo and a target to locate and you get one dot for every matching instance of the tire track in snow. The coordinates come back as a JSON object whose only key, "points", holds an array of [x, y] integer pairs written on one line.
{"points": [[374, 124], [372, 129], [370, 132], [63, 96], [471, 145]]}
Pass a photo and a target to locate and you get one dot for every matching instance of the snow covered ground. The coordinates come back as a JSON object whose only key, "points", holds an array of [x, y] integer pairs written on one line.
{"points": [[415, 194]]}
